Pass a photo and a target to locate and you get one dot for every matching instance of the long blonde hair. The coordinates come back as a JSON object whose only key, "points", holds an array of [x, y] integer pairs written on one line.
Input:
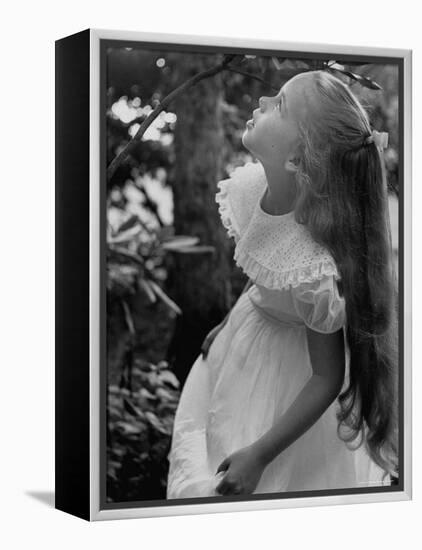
{"points": [[343, 200]]}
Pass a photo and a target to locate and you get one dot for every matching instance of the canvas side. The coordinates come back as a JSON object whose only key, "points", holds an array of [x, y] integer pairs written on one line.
{"points": [[72, 275]]}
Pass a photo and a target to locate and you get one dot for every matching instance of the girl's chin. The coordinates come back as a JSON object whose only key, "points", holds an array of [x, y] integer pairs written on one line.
{"points": [[245, 142], [245, 138]]}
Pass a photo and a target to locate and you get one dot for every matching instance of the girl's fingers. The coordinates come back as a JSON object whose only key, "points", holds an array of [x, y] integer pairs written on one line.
{"points": [[224, 465], [205, 347], [220, 488], [223, 487], [209, 339], [227, 488]]}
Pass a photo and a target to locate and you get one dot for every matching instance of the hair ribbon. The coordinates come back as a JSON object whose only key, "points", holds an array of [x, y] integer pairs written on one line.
{"points": [[379, 138]]}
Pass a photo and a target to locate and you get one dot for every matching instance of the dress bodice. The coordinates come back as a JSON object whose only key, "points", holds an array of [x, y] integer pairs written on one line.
{"points": [[276, 306], [295, 277], [317, 305]]}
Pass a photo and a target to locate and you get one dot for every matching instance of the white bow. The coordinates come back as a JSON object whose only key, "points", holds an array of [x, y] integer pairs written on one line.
{"points": [[379, 138]]}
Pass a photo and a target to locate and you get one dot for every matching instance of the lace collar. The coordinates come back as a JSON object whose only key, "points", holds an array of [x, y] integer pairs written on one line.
{"points": [[274, 251]]}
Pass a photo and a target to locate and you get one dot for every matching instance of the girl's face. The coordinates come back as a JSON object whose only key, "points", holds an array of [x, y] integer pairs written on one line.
{"points": [[272, 133]]}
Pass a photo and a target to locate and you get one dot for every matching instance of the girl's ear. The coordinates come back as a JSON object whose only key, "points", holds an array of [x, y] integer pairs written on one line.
{"points": [[292, 164]]}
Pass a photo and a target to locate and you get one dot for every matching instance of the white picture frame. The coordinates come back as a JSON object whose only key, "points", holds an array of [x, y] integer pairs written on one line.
{"points": [[79, 452]]}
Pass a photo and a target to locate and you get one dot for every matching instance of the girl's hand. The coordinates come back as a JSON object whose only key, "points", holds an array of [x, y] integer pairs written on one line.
{"points": [[244, 469], [209, 339]]}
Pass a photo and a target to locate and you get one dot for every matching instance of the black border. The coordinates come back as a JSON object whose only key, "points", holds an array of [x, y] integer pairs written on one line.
{"points": [[163, 46], [72, 222]]}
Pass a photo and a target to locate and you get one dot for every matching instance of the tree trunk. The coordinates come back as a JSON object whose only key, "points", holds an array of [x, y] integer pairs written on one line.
{"points": [[199, 283]]}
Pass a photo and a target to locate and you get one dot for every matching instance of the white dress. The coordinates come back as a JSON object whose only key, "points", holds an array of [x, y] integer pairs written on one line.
{"points": [[259, 361]]}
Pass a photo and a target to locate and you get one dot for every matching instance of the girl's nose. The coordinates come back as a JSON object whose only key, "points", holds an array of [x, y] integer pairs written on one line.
{"points": [[262, 102]]}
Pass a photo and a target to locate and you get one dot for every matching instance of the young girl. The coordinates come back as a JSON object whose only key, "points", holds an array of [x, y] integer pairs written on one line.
{"points": [[298, 390]]}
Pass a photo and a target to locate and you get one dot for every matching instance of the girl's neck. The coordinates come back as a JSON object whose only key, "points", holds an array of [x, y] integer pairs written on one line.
{"points": [[280, 196]]}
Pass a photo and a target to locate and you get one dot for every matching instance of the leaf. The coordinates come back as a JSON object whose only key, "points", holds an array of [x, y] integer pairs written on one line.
{"points": [[155, 422], [363, 80], [130, 222], [128, 270], [165, 395], [126, 254], [146, 287], [147, 394], [368, 83], [202, 249], [179, 241], [129, 429], [355, 63], [131, 409], [121, 278], [128, 317], [334, 65], [163, 296], [276, 62], [125, 236], [168, 377]]}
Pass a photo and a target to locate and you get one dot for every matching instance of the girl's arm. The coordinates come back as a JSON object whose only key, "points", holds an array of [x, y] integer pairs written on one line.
{"points": [[245, 466], [247, 286], [209, 339], [328, 364]]}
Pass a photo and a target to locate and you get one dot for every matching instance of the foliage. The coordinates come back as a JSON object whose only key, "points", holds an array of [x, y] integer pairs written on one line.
{"points": [[142, 80], [142, 396], [140, 423], [134, 260]]}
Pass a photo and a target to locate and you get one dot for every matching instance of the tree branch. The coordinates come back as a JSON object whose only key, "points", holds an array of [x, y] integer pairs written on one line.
{"points": [[118, 159], [224, 65]]}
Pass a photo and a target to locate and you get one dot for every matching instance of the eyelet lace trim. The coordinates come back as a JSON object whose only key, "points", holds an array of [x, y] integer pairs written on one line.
{"points": [[290, 278], [225, 211], [274, 251]]}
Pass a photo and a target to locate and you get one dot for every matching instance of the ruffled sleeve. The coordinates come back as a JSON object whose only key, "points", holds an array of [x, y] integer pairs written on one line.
{"points": [[237, 197], [320, 305], [225, 210]]}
